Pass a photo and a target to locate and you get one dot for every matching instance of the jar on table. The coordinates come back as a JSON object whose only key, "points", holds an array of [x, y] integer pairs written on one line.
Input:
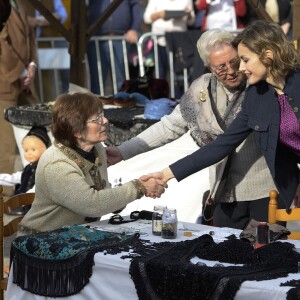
{"points": [[157, 219], [262, 234], [169, 223]]}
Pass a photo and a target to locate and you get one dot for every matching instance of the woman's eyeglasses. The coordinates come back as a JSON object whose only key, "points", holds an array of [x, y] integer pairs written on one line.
{"points": [[98, 119], [223, 69]]}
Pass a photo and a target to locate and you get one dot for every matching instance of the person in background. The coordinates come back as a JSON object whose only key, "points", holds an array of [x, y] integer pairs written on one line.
{"points": [[239, 186], [224, 14], [281, 12], [125, 21], [71, 185], [18, 56], [156, 14], [270, 110]]}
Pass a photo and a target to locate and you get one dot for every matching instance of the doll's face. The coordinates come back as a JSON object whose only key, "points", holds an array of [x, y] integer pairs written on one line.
{"points": [[33, 148]]}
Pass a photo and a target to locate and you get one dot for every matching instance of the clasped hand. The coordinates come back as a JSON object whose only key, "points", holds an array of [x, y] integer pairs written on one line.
{"points": [[155, 187], [157, 182]]}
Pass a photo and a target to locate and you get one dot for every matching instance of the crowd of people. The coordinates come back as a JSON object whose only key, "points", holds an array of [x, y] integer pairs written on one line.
{"points": [[243, 113]]}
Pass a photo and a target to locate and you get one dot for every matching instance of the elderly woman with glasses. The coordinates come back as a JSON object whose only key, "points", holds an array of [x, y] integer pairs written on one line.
{"points": [[71, 179]]}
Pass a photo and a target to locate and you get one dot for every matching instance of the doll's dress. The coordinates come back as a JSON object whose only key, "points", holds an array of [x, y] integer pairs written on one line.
{"points": [[27, 183], [27, 179]]}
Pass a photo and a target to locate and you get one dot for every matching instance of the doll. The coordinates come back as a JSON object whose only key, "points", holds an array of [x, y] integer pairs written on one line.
{"points": [[34, 144]]}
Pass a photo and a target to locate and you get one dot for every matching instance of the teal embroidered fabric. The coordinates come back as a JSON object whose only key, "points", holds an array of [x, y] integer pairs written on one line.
{"points": [[62, 243], [59, 263]]}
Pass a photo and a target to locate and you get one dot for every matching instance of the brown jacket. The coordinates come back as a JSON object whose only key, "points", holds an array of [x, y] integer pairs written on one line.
{"points": [[17, 50]]}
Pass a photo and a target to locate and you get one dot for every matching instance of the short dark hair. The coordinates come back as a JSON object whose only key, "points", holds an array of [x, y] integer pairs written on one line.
{"points": [[69, 115]]}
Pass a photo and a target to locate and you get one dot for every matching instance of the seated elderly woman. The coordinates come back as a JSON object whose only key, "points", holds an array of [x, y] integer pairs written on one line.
{"points": [[71, 178]]}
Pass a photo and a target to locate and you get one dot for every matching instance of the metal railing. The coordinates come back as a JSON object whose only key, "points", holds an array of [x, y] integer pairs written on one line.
{"points": [[172, 76], [103, 81], [55, 58]]}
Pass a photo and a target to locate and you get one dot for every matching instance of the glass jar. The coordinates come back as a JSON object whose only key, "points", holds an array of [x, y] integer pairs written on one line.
{"points": [[157, 219], [169, 223], [262, 234]]}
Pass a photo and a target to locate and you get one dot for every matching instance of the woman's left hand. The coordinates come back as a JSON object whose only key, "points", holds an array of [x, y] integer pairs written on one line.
{"points": [[29, 77]]}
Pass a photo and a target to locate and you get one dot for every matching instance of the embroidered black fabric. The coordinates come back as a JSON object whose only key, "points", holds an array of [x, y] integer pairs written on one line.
{"points": [[169, 274]]}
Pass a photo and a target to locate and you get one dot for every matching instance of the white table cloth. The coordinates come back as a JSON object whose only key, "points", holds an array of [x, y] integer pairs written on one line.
{"points": [[185, 196], [111, 280]]}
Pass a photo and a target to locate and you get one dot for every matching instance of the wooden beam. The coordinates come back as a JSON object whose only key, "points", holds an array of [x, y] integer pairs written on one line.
{"points": [[103, 17], [259, 9], [78, 35], [78, 42], [36, 4], [296, 23]]}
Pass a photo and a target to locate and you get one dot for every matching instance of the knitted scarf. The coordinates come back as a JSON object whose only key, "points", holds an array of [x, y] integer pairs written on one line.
{"points": [[209, 97]]}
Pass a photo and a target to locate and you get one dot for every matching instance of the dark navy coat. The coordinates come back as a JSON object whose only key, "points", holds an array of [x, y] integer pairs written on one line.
{"points": [[260, 113]]}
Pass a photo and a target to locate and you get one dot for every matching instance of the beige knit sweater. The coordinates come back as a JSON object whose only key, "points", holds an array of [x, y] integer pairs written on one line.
{"points": [[64, 193]]}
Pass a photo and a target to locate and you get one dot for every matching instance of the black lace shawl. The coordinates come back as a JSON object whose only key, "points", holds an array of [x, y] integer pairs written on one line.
{"points": [[169, 274]]}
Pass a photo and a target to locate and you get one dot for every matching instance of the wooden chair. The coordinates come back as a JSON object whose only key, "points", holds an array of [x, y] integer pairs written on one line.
{"points": [[9, 205], [276, 214]]}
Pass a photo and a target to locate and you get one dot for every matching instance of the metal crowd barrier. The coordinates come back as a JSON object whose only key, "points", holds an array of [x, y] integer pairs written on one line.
{"points": [[140, 60], [172, 77], [102, 83], [54, 58]]}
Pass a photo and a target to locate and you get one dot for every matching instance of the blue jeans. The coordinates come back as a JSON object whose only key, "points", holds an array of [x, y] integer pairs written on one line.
{"points": [[105, 63], [163, 61]]}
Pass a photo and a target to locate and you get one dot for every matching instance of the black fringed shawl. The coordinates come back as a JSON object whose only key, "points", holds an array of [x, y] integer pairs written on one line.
{"points": [[59, 263], [169, 274]]}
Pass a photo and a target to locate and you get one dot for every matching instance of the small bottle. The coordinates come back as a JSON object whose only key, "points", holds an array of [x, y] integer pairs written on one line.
{"points": [[156, 219], [262, 234], [169, 224]]}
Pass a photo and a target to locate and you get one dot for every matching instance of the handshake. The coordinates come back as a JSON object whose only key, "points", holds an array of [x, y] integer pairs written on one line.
{"points": [[156, 183]]}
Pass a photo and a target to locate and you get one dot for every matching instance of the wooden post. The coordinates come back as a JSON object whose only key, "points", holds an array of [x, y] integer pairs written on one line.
{"points": [[1, 242], [78, 42], [272, 207], [259, 10], [296, 23], [78, 35]]}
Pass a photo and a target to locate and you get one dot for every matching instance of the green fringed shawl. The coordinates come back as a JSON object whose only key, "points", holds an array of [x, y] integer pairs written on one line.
{"points": [[59, 263]]}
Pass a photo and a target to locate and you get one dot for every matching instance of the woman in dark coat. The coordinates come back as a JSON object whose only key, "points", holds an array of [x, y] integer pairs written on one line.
{"points": [[271, 109]]}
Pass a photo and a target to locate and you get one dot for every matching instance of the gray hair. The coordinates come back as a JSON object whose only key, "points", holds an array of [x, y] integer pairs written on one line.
{"points": [[211, 40]]}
